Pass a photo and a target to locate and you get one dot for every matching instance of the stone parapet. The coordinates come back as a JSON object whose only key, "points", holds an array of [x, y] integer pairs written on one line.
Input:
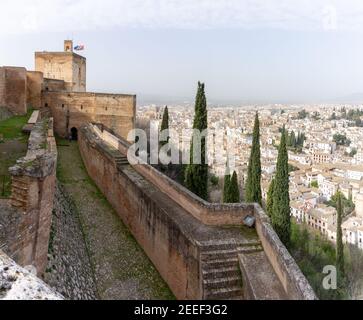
{"points": [[33, 187], [144, 197]]}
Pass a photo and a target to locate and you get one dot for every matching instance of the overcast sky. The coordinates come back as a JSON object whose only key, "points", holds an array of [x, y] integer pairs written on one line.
{"points": [[246, 50]]}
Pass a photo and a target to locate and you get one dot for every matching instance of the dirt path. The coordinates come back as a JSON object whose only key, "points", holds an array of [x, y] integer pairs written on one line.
{"points": [[122, 270]]}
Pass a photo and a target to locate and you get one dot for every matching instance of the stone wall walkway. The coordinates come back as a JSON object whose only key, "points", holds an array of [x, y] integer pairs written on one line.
{"points": [[69, 270], [121, 268]]}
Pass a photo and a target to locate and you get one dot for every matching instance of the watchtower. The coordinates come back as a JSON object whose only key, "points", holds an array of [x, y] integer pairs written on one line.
{"points": [[68, 46], [64, 65]]}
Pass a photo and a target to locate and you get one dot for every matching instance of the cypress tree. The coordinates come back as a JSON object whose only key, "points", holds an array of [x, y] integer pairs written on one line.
{"points": [[253, 182], [227, 180], [280, 216], [233, 190], [270, 200], [196, 175], [339, 248], [165, 125], [293, 139]]}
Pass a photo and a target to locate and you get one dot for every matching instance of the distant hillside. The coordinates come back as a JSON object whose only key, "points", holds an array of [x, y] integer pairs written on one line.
{"points": [[351, 98]]}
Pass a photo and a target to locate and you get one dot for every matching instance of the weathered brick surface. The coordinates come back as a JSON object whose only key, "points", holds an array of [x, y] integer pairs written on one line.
{"points": [[2, 87], [13, 86], [66, 66], [34, 89], [172, 250], [116, 111], [32, 195], [54, 85]]}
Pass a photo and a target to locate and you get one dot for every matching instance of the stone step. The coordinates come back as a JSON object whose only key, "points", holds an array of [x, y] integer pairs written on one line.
{"points": [[17, 203], [19, 181], [225, 244], [217, 263], [222, 272], [223, 293], [251, 249], [224, 282], [19, 186], [19, 200], [19, 190], [218, 254], [228, 253], [19, 197], [20, 178], [120, 166], [122, 162]]}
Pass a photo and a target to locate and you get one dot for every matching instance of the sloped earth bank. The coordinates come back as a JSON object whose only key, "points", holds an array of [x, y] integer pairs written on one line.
{"points": [[121, 269]]}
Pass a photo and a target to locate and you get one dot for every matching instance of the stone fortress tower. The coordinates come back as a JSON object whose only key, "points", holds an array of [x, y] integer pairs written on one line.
{"points": [[66, 66], [57, 87], [56, 92]]}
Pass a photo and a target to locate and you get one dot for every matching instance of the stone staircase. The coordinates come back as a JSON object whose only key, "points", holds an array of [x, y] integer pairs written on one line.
{"points": [[45, 112], [19, 192], [221, 275], [121, 160]]}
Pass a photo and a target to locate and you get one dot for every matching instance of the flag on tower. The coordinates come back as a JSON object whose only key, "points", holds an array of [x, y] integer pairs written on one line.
{"points": [[79, 47]]}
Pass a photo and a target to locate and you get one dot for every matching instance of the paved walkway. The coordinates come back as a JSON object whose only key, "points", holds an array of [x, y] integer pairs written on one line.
{"points": [[122, 270]]}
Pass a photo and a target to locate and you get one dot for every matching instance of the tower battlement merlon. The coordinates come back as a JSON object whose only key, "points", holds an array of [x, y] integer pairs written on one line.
{"points": [[68, 45]]}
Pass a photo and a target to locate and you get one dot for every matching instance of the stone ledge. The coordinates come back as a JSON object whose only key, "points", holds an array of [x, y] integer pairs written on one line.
{"points": [[260, 281], [40, 160], [17, 283]]}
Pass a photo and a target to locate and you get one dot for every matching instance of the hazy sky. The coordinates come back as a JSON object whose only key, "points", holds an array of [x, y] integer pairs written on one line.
{"points": [[246, 50]]}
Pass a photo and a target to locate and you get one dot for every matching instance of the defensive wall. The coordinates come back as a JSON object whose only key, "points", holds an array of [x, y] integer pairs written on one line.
{"points": [[34, 89], [13, 89], [177, 229], [54, 85], [73, 109], [67, 66], [27, 216], [19, 89]]}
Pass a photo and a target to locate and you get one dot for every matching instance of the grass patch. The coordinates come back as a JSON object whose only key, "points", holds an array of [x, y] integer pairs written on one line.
{"points": [[5, 186], [11, 128], [13, 147], [313, 252]]}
